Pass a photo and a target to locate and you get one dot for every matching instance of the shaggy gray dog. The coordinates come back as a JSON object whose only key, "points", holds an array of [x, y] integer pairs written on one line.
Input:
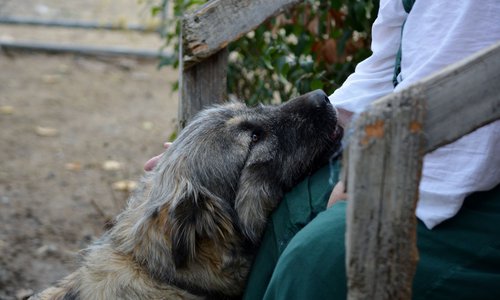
{"points": [[192, 228]]}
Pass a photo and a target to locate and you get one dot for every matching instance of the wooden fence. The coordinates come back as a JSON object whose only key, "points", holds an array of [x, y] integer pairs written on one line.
{"points": [[385, 153], [206, 34], [385, 162]]}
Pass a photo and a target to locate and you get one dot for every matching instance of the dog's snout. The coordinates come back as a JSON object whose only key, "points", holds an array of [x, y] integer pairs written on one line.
{"points": [[318, 99], [310, 103]]}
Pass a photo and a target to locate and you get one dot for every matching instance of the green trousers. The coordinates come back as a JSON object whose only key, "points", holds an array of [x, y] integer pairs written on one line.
{"points": [[302, 255]]}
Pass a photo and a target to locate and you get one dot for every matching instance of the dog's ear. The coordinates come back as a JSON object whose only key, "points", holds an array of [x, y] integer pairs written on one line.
{"points": [[197, 217], [183, 231], [257, 196]]}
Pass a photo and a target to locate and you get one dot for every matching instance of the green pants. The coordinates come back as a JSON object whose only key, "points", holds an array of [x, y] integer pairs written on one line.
{"points": [[302, 255]]}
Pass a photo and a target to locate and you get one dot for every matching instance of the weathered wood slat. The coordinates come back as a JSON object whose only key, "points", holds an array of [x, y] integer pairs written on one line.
{"points": [[219, 22], [461, 97], [202, 85], [385, 160]]}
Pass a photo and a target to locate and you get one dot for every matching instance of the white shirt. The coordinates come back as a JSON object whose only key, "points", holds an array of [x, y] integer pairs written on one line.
{"points": [[436, 34]]}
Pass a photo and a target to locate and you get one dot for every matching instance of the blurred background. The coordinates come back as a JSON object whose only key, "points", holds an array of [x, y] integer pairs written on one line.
{"points": [[88, 92], [75, 129]]}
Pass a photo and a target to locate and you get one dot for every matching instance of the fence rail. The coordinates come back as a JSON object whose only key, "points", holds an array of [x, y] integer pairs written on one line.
{"points": [[23, 21], [220, 22], [205, 34], [82, 50]]}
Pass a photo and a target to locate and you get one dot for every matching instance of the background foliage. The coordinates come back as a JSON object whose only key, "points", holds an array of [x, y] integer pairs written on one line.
{"points": [[316, 45]]}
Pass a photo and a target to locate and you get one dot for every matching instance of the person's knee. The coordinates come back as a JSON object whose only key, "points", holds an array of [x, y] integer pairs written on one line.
{"points": [[313, 264]]}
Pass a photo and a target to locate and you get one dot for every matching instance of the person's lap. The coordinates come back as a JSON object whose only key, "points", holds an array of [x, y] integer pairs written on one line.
{"points": [[460, 258], [303, 256]]}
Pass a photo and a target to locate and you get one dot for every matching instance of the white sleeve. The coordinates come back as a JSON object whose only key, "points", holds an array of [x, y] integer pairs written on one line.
{"points": [[372, 78]]}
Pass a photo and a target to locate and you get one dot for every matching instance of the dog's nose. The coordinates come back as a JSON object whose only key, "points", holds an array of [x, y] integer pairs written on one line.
{"points": [[318, 99]]}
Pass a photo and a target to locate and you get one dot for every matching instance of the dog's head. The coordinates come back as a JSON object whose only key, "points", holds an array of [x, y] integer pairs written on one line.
{"points": [[232, 164]]}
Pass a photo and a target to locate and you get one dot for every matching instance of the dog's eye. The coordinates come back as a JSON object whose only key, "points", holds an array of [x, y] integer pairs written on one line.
{"points": [[255, 137]]}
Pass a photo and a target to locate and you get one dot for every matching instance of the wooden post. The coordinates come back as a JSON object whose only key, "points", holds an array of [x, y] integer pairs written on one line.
{"points": [[384, 165], [202, 85], [385, 160]]}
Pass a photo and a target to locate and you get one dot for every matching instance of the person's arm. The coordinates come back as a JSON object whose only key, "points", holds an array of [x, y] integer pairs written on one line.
{"points": [[372, 78]]}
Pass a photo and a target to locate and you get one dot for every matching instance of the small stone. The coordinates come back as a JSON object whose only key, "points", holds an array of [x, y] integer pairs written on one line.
{"points": [[111, 165], [46, 131], [125, 185], [6, 110], [147, 125], [73, 166]]}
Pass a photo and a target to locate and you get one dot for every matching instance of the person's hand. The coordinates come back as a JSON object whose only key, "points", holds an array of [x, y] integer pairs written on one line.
{"points": [[344, 117], [152, 162], [338, 194]]}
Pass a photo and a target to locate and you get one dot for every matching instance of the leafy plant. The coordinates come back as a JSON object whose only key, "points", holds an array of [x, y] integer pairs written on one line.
{"points": [[315, 45]]}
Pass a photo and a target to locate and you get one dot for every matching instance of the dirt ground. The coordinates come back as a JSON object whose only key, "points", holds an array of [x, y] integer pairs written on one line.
{"points": [[71, 127], [73, 132]]}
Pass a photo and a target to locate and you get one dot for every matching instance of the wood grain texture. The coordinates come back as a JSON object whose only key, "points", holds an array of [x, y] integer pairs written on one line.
{"points": [[463, 97], [385, 159], [460, 98], [202, 85], [219, 22]]}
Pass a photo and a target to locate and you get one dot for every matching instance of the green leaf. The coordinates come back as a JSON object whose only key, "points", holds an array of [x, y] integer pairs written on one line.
{"points": [[316, 84], [155, 10], [291, 60], [336, 4], [172, 136]]}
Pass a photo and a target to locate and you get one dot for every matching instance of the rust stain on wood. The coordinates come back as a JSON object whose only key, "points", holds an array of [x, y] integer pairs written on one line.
{"points": [[415, 127], [375, 130]]}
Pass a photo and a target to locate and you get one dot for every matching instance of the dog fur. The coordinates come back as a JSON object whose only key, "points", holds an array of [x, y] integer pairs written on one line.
{"points": [[192, 228]]}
